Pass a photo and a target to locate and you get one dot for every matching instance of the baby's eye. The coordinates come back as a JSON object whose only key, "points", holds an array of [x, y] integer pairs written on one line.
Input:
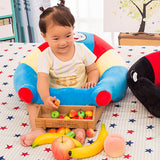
{"points": [[68, 35], [55, 39]]}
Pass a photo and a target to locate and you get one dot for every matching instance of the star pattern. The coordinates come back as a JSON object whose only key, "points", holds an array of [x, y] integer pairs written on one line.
{"points": [[130, 131], [10, 76], [24, 124], [90, 141], [10, 95], [133, 111], [2, 158], [123, 117], [134, 102], [150, 127], [3, 128], [17, 135], [149, 138], [16, 108], [127, 156], [4, 103], [113, 125], [47, 149], [132, 120], [129, 143], [148, 150], [24, 154], [151, 117], [9, 146], [117, 105], [10, 117], [115, 115]]}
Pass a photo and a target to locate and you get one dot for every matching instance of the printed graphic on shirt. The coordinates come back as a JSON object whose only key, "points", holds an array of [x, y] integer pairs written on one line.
{"points": [[73, 81]]}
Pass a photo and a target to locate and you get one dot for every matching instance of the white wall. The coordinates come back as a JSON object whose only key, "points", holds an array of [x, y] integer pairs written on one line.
{"points": [[89, 16]]}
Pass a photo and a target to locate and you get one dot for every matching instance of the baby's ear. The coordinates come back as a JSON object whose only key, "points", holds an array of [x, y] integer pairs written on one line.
{"points": [[73, 27], [43, 35]]}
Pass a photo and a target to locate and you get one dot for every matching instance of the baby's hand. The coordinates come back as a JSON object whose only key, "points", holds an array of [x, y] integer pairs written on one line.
{"points": [[89, 84], [49, 102]]}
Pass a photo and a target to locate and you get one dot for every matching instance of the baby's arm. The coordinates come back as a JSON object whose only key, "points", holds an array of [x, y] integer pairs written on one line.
{"points": [[43, 90], [93, 76]]}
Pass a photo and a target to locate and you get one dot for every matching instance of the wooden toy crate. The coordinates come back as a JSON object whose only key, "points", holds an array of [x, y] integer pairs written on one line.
{"points": [[48, 122]]}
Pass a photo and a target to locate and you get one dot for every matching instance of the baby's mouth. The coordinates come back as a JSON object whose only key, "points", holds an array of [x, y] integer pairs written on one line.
{"points": [[63, 47]]}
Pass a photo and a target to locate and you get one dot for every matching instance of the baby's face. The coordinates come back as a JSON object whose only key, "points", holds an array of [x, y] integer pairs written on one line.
{"points": [[60, 38]]}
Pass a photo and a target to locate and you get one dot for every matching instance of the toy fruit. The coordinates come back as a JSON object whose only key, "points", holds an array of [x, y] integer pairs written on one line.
{"points": [[90, 133], [114, 145], [81, 113], [72, 113], [79, 117], [71, 134], [66, 117], [67, 130], [55, 114], [57, 102], [92, 149], [88, 117], [61, 117], [63, 130], [61, 146], [89, 113], [53, 130], [74, 117]]}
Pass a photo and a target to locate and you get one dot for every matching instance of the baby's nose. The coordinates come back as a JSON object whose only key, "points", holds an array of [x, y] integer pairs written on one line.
{"points": [[62, 42]]}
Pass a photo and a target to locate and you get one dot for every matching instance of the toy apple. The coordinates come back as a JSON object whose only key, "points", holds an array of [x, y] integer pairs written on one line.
{"points": [[55, 114], [90, 133], [61, 117], [89, 113], [81, 113], [72, 113], [61, 146]]}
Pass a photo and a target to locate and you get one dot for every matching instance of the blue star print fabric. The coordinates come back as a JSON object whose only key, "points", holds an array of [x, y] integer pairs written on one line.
{"points": [[127, 117]]}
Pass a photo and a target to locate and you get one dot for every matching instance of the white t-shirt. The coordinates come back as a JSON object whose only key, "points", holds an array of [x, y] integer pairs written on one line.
{"points": [[71, 73]]}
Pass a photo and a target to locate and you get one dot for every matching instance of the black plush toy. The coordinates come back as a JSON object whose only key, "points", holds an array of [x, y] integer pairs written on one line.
{"points": [[143, 79]]}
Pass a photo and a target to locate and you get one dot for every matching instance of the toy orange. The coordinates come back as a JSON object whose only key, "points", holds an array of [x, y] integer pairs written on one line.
{"points": [[53, 130]]}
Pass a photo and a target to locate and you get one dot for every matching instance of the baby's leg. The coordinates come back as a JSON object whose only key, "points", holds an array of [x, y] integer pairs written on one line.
{"points": [[27, 139]]}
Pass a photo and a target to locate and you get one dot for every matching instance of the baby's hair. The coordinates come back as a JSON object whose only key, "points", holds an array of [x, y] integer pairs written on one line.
{"points": [[59, 15], [61, 3]]}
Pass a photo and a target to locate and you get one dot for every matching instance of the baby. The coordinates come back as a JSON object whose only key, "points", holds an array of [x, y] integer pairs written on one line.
{"points": [[64, 64]]}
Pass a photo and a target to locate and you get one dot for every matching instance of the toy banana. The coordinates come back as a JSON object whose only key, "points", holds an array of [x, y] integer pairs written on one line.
{"points": [[92, 149], [48, 138]]}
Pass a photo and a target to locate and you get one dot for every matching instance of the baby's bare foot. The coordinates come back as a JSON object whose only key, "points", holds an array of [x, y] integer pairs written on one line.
{"points": [[27, 139], [80, 134]]}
